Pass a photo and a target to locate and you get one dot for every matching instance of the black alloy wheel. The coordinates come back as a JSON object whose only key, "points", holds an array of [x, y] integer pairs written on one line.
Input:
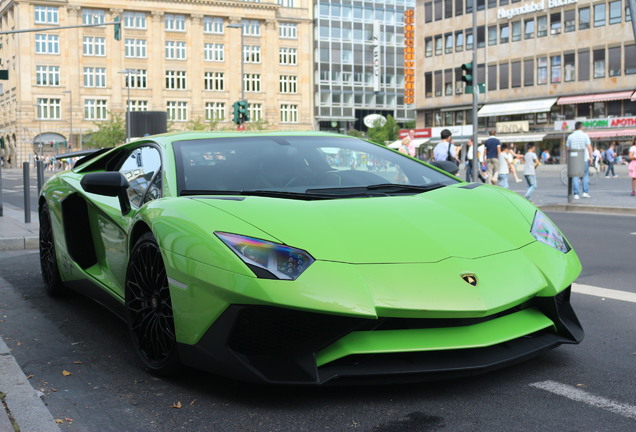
{"points": [[48, 260], [149, 308]]}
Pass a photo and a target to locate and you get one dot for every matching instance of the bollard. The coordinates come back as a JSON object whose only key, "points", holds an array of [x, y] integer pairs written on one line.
{"points": [[27, 192], [39, 169]]}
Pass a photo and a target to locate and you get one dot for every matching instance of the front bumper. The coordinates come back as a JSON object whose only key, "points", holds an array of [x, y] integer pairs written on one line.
{"points": [[285, 346]]}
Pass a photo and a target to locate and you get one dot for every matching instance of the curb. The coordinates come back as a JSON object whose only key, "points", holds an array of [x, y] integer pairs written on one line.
{"points": [[22, 407], [621, 211]]}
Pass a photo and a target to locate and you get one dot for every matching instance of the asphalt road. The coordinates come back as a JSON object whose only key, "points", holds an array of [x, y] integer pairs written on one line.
{"points": [[587, 387]]}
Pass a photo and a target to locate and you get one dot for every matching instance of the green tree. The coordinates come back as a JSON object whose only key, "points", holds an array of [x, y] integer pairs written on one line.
{"points": [[257, 125], [388, 132], [197, 125], [355, 133], [109, 133]]}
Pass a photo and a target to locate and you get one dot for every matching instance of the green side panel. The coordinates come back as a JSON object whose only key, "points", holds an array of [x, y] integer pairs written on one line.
{"points": [[478, 335]]}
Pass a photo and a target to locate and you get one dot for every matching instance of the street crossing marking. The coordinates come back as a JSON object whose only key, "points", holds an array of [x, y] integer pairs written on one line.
{"points": [[578, 395], [604, 292]]}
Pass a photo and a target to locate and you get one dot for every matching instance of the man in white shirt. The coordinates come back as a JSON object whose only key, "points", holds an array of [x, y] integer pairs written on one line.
{"points": [[445, 150]]}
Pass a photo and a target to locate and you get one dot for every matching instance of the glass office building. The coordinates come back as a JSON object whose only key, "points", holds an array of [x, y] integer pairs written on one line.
{"points": [[359, 55]]}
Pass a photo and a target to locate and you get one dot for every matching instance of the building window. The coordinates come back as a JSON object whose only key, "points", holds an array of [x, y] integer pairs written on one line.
{"points": [[288, 84], [615, 12], [287, 3], [135, 20], [481, 36], [176, 23], [516, 31], [214, 52], [584, 18], [515, 74], [214, 81], [255, 111], [47, 44], [135, 48], [569, 17], [599, 15], [138, 105], [492, 77], [469, 41], [448, 8], [95, 109], [630, 59], [48, 109], [459, 7], [175, 80], [529, 28], [528, 72], [94, 46], [287, 30], [599, 63], [438, 83], [569, 67], [614, 61], [251, 27], [555, 69], [288, 56], [252, 82], [448, 82], [542, 70], [177, 111], [504, 78], [213, 25], [288, 113], [584, 65], [47, 75], [438, 10], [555, 23], [542, 26], [93, 16], [459, 41], [215, 111], [438, 45], [492, 35], [504, 32], [428, 84], [138, 79], [94, 77], [175, 50], [448, 43], [46, 15], [251, 53], [428, 46]]}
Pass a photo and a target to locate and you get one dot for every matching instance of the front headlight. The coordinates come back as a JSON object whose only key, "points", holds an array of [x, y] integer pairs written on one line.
{"points": [[546, 232], [266, 259]]}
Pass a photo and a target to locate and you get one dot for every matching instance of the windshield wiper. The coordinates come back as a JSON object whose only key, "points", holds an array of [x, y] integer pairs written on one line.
{"points": [[258, 192], [383, 189], [397, 187]]}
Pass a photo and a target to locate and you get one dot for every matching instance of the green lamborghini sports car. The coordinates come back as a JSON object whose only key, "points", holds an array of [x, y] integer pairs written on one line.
{"points": [[306, 258]]}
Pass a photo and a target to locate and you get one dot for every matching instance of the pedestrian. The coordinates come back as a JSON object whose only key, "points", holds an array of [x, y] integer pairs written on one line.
{"points": [[610, 158], [407, 147], [545, 156], [445, 150], [493, 150], [632, 165], [597, 157], [469, 160], [505, 165], [515, 156], [578, 140], [531, 161]]}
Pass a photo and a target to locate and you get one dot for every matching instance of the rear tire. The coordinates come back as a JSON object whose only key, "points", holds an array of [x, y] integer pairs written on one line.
{"points": [[48, 259], [149, 308]]}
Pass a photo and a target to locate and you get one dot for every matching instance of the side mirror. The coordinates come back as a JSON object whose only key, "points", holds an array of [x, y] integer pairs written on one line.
{"points": [[110, 183], [449, 167]]}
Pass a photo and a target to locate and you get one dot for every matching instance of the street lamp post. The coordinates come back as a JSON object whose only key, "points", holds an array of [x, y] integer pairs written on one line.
{"points": [[128, 72], [70, 110], [240, 26]]}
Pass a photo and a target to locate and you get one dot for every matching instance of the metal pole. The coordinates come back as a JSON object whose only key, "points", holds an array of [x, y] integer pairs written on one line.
{"points": [[39, 169], [27, 192], [242, 67], [1, 211], [70, 135], [476, 164]]}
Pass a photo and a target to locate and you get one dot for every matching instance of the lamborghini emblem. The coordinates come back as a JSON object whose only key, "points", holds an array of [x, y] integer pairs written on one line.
{"points": [[470, 278]]}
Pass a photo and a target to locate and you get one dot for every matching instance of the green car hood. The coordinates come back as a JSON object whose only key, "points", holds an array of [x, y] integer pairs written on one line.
{"points": [[453, 221]]}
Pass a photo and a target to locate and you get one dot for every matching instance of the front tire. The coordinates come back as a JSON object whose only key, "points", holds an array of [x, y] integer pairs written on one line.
{"points": [[48, 259], [149, 308]]}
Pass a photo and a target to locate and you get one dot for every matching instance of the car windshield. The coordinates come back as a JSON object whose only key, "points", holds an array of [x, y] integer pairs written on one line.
{"points": [[301, 167]]}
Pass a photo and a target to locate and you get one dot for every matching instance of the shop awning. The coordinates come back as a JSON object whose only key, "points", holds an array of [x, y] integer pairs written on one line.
{"points": [[416, 142], [634, 97], [520, 107], [599, 97], [611, 133], [516, 138]]}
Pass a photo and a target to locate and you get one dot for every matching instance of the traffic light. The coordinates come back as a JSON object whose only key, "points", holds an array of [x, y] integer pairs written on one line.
{"points": [[468, 76], [117, 28], [243, 111], [236, 113]]}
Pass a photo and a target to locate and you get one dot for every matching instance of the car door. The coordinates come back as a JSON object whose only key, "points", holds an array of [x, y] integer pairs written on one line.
{"points": [[142, 169]]}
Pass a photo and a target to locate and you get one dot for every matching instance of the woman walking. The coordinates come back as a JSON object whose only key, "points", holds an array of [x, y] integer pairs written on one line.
{"points": [[632, 165]]}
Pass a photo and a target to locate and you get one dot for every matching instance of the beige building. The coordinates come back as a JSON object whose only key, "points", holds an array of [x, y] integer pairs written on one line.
{"points": [[180, 57], [544, 64]]}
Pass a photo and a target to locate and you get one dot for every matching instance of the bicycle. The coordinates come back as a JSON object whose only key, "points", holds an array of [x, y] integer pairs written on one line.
{"points": [[593, 175]]}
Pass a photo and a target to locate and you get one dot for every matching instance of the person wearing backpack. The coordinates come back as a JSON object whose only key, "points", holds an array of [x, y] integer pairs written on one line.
{"points": [[610, 157]]}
